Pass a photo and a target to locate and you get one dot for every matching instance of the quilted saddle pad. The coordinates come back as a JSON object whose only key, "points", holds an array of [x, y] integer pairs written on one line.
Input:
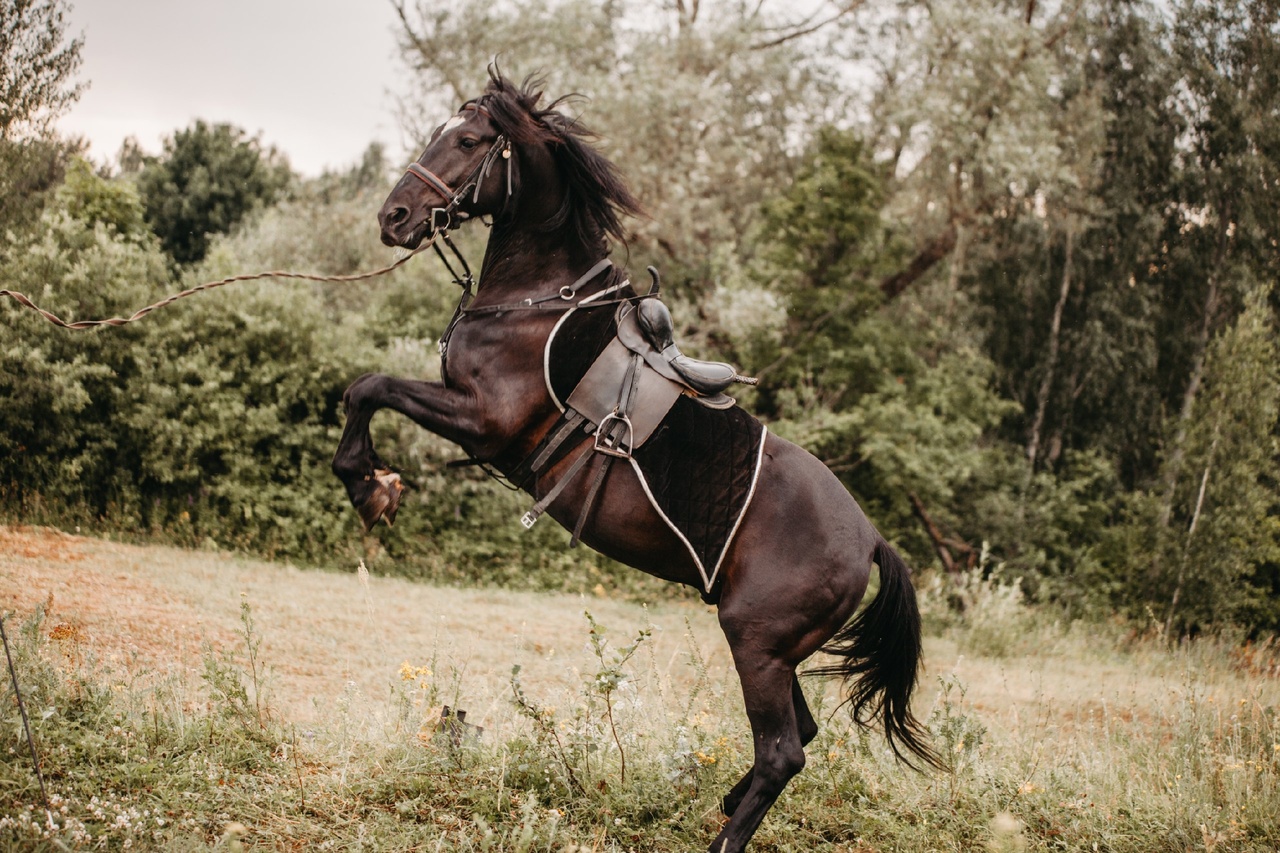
{"points": [[700, 470]]}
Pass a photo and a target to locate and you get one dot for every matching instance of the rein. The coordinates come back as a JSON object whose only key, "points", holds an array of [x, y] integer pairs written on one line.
{"points": [[441, 219], [80, 325]]}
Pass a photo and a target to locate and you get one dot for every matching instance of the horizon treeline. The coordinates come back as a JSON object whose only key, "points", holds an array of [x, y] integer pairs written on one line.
{"points": [[1007, 268]]}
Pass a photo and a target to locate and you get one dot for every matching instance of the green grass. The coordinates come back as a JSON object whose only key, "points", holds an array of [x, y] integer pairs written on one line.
{"points": [[1061, 737]]}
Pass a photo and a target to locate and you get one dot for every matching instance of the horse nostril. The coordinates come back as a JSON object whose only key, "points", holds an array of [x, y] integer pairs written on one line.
{"points": [[397, 215]]}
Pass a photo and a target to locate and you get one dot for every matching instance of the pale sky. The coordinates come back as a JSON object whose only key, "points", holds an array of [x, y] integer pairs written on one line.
{"points": [[313, 77]]}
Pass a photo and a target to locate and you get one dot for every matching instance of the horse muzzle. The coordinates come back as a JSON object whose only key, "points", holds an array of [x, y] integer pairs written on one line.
{"points": [[397, 226]]}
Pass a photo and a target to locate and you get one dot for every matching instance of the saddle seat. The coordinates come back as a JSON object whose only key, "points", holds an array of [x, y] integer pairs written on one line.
{"points": [[704, 378]]}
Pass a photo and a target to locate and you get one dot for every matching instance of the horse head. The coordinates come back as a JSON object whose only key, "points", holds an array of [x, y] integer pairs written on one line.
{"points": [[505, 156], [453, 180]]}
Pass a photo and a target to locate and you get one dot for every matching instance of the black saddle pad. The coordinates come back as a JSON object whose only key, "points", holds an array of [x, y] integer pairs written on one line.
{"points": [[700, 467]]}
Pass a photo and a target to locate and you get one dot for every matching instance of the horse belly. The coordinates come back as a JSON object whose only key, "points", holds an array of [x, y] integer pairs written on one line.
{"points": [[623, 525]]}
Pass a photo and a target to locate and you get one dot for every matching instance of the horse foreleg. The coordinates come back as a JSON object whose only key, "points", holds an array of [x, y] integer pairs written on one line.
{"points": [[373, 488], [808, 731]]}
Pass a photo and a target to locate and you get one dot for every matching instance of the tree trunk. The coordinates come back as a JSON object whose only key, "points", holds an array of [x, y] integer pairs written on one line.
{"points": [[1046, 383], [925, 260], [1191, 532]]}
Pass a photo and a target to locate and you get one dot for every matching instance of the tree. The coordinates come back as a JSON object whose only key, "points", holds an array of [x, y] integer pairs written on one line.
{"points": [[703, 105], [1070, 283], [1221, 526], [208, 179], [976, 110], [36, 66]]}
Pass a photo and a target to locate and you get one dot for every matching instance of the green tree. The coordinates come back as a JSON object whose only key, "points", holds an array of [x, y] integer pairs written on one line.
{"points": [[208, 179], [703, 105], [1223, 526], [1070, 286], [37, 65], [37, 70], [61, 392]]}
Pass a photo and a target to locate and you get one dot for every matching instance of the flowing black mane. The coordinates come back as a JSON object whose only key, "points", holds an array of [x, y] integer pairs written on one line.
{"points": [[596, 197]]}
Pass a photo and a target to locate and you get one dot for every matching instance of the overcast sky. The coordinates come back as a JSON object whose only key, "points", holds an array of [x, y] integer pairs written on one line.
{"points": [[313, 77]]}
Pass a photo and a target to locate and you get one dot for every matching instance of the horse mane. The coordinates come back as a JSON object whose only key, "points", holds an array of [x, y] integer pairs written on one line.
{"points": [[596, 196]]}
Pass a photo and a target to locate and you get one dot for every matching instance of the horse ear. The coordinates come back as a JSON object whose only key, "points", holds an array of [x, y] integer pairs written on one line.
{"points": [[531, 90]]}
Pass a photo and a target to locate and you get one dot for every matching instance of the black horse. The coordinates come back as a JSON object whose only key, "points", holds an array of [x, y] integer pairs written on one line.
{"points": [[796, 570]]}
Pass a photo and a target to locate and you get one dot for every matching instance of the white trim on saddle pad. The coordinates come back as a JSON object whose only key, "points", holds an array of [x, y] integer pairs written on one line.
{"points": [[555, 330], [708, 581]]}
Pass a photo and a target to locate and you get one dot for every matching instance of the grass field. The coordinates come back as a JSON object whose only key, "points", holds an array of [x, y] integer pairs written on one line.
{"points": [[189, 701]]}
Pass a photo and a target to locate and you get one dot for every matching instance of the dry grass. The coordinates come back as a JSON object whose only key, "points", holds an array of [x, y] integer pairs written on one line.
{"points": [[1064, 737], [153, 609]]}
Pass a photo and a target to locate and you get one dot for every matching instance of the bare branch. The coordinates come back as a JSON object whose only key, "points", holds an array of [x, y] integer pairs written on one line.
{"points": [[925, 260], [805, 29]]}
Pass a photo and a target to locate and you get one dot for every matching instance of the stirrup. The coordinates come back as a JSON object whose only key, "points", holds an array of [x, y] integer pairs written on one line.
{"points": [[611, 445]]}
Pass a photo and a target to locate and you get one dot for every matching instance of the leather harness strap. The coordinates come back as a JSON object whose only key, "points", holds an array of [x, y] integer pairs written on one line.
{"points": [[431, 179], [540, 507], [609, 444]]}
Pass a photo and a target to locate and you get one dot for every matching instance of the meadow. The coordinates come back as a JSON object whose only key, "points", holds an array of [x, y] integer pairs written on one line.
{"points": [[188, 700]]}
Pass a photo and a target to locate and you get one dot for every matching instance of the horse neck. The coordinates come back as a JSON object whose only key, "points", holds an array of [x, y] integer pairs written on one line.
{"points": [[522, 263], [525, 259]]}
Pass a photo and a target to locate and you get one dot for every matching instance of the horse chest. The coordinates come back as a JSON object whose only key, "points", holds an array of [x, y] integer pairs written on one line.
{"points": [[498, 362]]}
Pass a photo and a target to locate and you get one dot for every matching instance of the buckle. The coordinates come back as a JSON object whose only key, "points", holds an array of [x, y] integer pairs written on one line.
{"points": [[529, 519], [611, 445]]}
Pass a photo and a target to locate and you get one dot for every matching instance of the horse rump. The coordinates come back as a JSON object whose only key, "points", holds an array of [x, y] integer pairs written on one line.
{"points": [[880, 652]]}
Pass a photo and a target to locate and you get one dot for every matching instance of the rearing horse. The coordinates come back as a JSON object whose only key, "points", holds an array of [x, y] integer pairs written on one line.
{"points": [[796, 570]]}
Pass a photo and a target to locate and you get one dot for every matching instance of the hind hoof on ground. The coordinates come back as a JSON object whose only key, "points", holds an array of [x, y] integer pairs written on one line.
{"points": [[384, 502]]}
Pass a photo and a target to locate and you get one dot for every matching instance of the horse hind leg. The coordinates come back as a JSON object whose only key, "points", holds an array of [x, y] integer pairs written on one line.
{"points": [[768, 690], [808, 728], [373, 488]]}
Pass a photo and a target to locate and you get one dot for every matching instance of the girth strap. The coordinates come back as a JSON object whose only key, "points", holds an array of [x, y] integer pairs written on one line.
{"points": [[531, 517]]}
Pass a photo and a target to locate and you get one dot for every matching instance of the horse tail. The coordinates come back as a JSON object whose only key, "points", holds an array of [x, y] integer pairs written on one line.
{"points": [[881, 653]]}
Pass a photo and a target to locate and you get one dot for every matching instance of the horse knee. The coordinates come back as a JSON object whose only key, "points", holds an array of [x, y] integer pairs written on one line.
{"points": [[364, 388]]}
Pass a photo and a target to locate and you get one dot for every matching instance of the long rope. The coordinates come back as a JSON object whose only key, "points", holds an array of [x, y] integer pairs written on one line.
{"points": [[78, 325]]}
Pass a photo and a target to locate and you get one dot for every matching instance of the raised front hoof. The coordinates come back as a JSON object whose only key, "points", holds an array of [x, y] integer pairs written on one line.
{"points": [[383, 503]]}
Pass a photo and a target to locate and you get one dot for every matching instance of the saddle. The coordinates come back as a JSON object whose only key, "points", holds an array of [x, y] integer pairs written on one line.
{"points": [[621, 400]]}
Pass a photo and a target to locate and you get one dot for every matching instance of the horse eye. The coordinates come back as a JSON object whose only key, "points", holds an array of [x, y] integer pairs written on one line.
{"points": [[468, 143]]}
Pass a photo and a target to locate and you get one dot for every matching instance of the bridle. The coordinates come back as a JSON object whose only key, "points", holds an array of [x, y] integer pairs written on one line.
{"points": [[440, 219]]}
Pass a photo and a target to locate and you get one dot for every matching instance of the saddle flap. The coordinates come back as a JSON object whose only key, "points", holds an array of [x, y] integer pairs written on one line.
{"points": [[596, 396]]}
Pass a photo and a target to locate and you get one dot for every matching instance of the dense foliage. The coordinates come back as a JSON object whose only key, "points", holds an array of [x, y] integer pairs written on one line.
{"points": [[1006, 268], [207, 181]]}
